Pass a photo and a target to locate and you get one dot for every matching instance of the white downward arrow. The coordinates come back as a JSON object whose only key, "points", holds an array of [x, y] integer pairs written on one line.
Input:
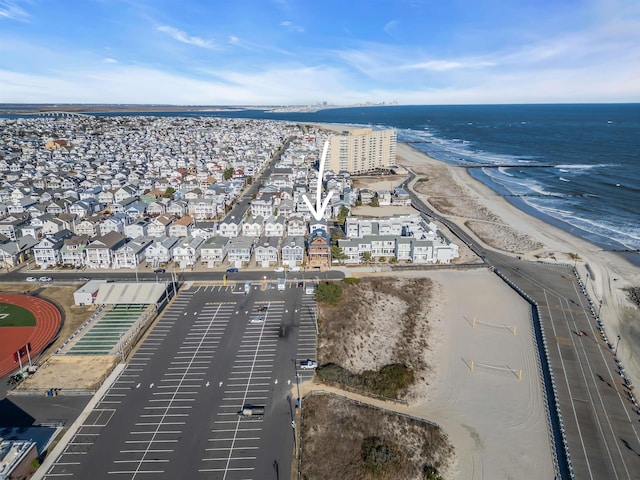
{"points": [[321, 206]]}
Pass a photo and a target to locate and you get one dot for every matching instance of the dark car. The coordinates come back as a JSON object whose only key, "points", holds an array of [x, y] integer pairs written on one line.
{"points": [[159, 270], [232, 270]]}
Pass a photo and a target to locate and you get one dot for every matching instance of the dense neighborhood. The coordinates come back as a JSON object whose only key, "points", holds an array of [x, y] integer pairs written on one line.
{"points": [[123, 192]]}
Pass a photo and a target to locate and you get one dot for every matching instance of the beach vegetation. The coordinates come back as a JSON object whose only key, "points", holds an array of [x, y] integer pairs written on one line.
{"points": [[351, 280], [365, 442], [391, 381], [329, 293]]}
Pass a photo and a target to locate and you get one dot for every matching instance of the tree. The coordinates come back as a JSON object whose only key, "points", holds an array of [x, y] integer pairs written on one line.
{"points": [[337, 253], [342, 215], [366, 256], [168, 193], [374, 202], [228, 173], [249, 180]]}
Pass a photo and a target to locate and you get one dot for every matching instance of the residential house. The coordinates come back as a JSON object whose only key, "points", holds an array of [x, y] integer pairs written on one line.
{"points": [[159, 226], [263, 206], [230, 227], [252, 226], [11, 225], [47, 252], [100, 252], [187, 252], [13, 253], [159, 253], [156, 208], [319, 250], [131, 254], [85, 208], [239, 250], [182, 227], [72, 251], [274, 226], [204, 230], [267, 251], [89, 226], [125, 192], [140, 228], [293, 251], [296, 226], [213, 251]]}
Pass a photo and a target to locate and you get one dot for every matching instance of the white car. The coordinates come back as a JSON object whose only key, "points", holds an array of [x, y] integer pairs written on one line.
{"points": [[278, 269], [294, 269], [45, 279], [31, 279], [308, 364], [256, 320]]}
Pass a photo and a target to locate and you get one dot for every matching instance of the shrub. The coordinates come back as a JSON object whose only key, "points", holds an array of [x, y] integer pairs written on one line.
{"points": [[378, 457], [430, 473], [328, 292], [351, 281], [391, 381]]}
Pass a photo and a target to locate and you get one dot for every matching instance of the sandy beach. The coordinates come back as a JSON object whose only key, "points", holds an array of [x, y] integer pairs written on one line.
{"points": [[514, 231]]}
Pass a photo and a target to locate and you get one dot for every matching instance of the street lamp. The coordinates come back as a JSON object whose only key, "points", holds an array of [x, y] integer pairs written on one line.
{"points": [[615, 354]]}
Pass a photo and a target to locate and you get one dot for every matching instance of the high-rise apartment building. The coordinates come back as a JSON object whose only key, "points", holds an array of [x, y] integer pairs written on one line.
{"points": [[362, 150]]}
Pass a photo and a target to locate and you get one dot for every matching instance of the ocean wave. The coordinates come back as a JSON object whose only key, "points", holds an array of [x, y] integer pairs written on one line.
{"points": [[584, 166], [563, 179], [503, 170], [598, 230]]}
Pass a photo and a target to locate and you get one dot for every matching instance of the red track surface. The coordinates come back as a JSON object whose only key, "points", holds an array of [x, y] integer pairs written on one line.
{"points": [[48, 320]]}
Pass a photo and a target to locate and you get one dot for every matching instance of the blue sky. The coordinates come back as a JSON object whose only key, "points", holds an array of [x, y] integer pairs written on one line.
{"points": [[295, 52]]}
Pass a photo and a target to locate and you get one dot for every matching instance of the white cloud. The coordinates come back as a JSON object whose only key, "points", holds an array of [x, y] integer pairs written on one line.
{"points": [[443, 65], [390, 27], [12, 10], [183, 37], [110, 60], [292, 27]]}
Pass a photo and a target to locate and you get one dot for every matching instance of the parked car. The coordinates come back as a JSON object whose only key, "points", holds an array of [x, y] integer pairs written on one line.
{"points": [[84, 279], [46, 279], [32, 279], [159, 270], [232, 270], [278, 269], [256, 320], [262, 308], [308, 364]]}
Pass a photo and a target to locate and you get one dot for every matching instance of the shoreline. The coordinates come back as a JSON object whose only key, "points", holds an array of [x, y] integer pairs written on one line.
{"points": [[610, 272]]}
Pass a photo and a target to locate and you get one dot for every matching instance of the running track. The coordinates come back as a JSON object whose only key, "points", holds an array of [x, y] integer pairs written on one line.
{"points": [[48, 321]]}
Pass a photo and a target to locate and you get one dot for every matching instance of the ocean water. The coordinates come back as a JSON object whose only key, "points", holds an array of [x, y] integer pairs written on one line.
{"points": [[575, 166]]}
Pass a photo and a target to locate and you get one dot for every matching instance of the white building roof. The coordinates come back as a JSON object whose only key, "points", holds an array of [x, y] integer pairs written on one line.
{"points": [[130, 292]]}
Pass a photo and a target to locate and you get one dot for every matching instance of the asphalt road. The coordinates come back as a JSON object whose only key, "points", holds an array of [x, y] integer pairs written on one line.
{"points": [[172, 413]]}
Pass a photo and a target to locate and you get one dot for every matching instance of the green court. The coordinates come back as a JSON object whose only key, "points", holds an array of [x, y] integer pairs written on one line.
{"points": [[14, 316]]}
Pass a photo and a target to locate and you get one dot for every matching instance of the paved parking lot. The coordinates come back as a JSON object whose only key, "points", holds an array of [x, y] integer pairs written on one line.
{"points": [[173, 412]]}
